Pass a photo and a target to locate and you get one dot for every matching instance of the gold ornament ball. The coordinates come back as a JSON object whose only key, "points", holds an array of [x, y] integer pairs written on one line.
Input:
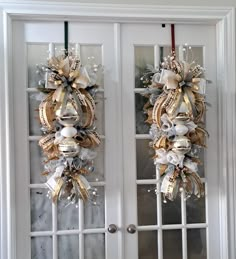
{"points": [[69, 147], [182, 145], [70, 115]]}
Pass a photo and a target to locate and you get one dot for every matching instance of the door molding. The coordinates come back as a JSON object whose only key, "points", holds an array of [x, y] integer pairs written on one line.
{"points": [[224, 20]]}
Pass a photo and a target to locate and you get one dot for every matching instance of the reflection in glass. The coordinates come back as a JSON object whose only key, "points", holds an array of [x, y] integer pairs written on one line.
{"points": [[144, 55], [147, 245], [171, 211], [196, 240], [93, 54], [67, 216], [196, 210], [94, 246], [36, 54], [201, 167], [99, 169], [34, 100], [147, 205], [68, 247], [197, 55], [141, 126], [100, 113], [41, 248], [94, 214], [165, 51], [145, 165], [59, 48], [88, 51], [41, 210], [172, 244], [36, 165]]}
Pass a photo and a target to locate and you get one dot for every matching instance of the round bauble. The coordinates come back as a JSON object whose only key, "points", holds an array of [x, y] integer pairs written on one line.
{"points": [[68, 132], [181, 118], [181, 129], [182, 145], [69, 147], [70, 115]]}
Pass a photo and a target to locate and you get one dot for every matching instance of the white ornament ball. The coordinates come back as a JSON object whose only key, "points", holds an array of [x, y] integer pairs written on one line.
{"points": [[181, 129], [68, 132]]}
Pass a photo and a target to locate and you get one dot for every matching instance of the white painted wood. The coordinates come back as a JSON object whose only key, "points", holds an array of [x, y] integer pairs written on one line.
{"points": [[172, 226], [3, 185], [68, 232], [54, 231], [226, 95], [184, 223], [21, 148], [223, 17], [119, 140], [117, 12], [81, 228]]}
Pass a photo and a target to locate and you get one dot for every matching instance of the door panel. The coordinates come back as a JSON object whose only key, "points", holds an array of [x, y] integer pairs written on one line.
{"points": [[173, 224], [68, 230]]}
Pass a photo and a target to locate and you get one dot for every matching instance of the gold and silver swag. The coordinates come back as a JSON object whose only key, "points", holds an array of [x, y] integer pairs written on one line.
{"points": [[175, 110], [67, 116]]}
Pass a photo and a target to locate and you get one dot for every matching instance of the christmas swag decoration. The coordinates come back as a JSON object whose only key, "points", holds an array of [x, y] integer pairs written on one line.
{"points": [[175, 110], [67, 116]]}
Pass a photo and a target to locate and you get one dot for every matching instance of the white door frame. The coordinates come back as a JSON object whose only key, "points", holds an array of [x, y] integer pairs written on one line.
{"points": [[224, 20]]}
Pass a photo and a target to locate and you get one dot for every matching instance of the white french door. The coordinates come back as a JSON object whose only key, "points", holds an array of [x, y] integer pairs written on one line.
{"points": [[179, 229], [46, 230], [125, 176]]}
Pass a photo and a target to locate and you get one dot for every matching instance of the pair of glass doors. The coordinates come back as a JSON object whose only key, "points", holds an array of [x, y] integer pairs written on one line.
{"points": [[125, 174]]}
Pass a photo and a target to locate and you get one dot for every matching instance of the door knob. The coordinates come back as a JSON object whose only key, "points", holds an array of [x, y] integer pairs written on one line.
{"points": [[112, 228], [131, 229]]}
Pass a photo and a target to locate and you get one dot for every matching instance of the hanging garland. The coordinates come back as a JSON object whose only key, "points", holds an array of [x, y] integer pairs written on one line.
{"points": [[175, 110], [67, 116]]}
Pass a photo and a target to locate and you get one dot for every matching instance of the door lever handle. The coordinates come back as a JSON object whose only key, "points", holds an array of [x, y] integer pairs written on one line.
{"points": [[131, 229], [112, 228]]}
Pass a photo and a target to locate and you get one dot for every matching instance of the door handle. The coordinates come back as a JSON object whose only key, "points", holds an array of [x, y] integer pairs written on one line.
{"points": [[131, 229], [112, 228]]}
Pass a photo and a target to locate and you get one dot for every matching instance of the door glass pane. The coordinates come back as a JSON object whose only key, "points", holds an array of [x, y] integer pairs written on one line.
{"points": [[147, 205], [172, 244], [94, 214], [166, 51], [197, 55], [94, 246], [201, 167], [59, 48], [67, 216], [92, 54], [68, 247], [144, 55], [99, 169], [196, 240], [41, 210], [36, 164], [147, 245], [41, 248], [100, 113], [171, 211], [145, 165], [34, 100], [37, 54], [196, 210], [141, 126]]}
